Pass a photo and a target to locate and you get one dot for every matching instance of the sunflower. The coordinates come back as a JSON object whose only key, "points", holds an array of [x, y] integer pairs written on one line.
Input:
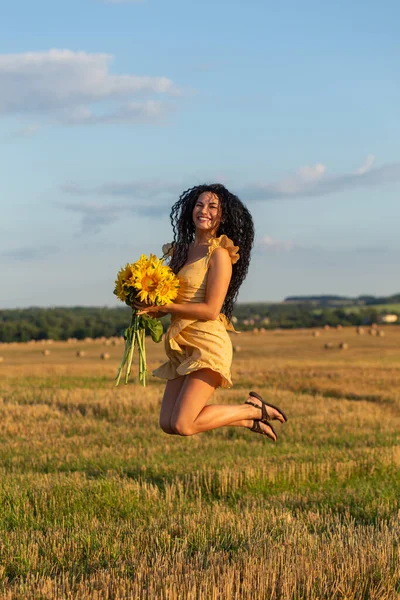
{"points": [[167, 290], [151, 282], [146, 285], [148, 280], [123, 278]]}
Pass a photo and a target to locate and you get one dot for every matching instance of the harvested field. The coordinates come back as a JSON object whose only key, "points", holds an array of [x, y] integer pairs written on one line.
{"points": [[97, 502]]}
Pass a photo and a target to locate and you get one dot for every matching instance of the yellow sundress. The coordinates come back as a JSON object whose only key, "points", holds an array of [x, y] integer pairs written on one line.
{"points": [[192, 344]]}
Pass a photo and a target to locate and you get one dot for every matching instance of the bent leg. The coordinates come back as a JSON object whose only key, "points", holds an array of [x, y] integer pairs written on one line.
{"points": [[171, 394], [191, 415]]}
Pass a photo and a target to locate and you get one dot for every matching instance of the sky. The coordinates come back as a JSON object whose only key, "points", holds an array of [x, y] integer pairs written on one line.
{"points": [[110, 109]]}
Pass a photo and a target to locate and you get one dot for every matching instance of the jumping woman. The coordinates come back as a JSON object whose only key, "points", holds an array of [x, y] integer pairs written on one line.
{"points": [[213, 237]]}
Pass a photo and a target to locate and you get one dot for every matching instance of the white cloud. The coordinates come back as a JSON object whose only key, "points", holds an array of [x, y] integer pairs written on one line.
{"points": [[314, 181], [268, 243], [312, 173], [77, 87], [369, 161], [149, 111], [27, 131], [95, 215], [153, 198], [28, 253], [147, 198]]}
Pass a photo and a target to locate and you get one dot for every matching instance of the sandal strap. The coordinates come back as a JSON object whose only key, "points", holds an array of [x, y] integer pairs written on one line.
{"points": [[257, 428], [264, 414], [264, 403]]}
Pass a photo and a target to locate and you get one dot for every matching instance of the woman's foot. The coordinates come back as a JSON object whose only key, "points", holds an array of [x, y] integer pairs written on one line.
{"points": [[263, 428], [273, 412]]}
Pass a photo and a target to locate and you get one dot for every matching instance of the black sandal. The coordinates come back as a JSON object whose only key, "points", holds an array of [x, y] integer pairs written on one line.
{"points": [[258, 429], [264, 415]]}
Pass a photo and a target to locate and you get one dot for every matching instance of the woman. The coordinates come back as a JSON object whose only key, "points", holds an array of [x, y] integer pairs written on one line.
{"points": [[213, 237]]}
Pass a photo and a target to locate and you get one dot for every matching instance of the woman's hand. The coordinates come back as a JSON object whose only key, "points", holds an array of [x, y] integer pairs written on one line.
{"points": [[154, 310], [139, 305]]}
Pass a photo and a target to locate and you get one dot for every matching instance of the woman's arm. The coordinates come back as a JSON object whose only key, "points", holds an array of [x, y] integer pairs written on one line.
{"points": [[219, 277]]}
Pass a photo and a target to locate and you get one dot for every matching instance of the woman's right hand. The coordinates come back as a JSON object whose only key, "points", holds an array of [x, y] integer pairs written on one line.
{"points": [[139, 305]]}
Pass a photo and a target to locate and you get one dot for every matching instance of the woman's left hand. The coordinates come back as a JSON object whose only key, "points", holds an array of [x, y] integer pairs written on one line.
{"points": [[150, 310]]}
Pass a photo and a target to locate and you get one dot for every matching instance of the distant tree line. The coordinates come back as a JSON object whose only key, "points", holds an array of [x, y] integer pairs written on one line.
{"points": [[22, 325], [291, 316], [331, 300], [26, 324]]}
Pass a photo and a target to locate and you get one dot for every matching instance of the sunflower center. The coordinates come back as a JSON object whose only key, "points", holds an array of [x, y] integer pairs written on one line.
{"points": [[148, 284]]}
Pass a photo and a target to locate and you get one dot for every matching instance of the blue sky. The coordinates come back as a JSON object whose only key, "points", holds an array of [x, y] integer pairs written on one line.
{"points": [[109, 110]]}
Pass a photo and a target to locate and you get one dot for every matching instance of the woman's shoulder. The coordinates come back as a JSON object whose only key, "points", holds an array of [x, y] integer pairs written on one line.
{"points": [[224, 242]]}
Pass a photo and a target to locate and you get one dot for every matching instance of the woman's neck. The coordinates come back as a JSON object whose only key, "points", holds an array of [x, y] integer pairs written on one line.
{"points": [[203, 238]]}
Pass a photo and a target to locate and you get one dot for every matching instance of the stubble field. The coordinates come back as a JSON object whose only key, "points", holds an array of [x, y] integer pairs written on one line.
{"points": [[97, 502]]}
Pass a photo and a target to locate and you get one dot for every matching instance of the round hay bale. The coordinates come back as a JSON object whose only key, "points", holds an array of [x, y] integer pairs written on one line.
{"points": [[237, 349], [255, 330], [107, 343], [262, 330], [360, 330], [381, 333], [105, 356], [326, 327], [343, 346], [374, 326], [372, 331], [80, 354], [328, 346], [46, 352], [1, 359], [316, 333], [339, 327]]}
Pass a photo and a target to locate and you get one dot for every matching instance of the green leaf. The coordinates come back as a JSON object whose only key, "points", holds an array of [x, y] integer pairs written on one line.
{"points": [[153, 325]]}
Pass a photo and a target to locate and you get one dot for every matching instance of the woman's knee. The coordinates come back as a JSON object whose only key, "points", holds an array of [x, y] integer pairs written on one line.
{"points": [[182, 427], [165, 425]]}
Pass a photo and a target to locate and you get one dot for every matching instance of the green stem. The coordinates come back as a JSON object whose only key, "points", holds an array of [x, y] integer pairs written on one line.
{"points": [[130, 357], [123, 361], [144, 356], [127, 348], [142, 364], [132, 331]]}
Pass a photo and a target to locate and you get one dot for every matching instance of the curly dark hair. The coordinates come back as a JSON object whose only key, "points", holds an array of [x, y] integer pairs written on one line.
{"points": [[236, 223]]}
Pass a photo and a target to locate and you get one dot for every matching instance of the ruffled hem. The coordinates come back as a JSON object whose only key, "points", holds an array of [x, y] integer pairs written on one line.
{"points": [[168, 371], [224, 242]]}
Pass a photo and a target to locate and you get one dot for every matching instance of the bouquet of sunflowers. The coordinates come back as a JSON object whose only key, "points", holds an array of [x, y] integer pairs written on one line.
{"points": [[147, 281]]}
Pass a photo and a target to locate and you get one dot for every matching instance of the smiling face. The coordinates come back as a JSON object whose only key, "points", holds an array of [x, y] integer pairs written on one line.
{"points": [[207, 212]]}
